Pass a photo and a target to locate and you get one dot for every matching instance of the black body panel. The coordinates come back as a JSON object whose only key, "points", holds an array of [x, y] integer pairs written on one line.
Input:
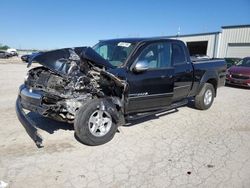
{"points": [[151, 89], [184, 72]]}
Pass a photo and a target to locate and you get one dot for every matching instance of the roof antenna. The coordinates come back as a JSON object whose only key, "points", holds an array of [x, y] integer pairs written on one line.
{"points": [[179, 31]]}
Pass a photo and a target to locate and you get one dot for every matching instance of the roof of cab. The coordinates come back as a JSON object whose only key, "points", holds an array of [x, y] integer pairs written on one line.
{"points": [[136, 40]]}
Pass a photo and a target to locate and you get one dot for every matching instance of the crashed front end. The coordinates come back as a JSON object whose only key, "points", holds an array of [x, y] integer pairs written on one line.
{"points": [[68, 78]]}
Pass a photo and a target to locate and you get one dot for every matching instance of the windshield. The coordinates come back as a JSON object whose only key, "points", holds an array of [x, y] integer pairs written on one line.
{"points": [[116, 52], [244, 62]]}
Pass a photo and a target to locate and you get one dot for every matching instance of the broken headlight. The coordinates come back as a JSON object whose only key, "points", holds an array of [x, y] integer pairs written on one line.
{"points": [[26, 77]]}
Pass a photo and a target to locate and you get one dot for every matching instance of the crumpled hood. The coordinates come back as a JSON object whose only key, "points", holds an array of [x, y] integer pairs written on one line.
{"points": [[62, 60], [239, 70]]}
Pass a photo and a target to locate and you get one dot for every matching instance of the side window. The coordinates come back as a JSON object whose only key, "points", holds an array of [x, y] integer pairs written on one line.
{"points": [[103, 51], [178, 54], [157, 55]]}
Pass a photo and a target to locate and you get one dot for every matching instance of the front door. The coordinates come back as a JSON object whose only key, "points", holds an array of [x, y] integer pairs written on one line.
{"points": [[152, 89]]}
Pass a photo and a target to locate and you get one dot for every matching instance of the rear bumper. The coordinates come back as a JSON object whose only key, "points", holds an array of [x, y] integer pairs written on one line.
{"points": [[28, 124]]}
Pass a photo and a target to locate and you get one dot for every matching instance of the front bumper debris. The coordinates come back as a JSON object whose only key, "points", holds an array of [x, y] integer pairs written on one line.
{"points": [[27, 122]]}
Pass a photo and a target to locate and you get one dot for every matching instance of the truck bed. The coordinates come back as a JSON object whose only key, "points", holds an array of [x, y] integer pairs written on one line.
{"points": [[206, 68]]}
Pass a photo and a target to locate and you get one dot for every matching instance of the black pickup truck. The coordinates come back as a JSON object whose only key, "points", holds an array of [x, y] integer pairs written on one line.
{"points": [[103, 87]]}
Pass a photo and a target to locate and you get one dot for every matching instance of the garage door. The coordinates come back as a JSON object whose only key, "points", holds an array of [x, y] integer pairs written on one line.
{"points": [[238, 50]]}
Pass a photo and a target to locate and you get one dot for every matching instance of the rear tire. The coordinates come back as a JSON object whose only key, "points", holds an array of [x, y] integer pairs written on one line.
{"points": [[94, 123], [205, 98]]}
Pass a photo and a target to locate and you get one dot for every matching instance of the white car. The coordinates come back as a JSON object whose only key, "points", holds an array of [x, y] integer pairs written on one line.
{"points": [[12, 52]]}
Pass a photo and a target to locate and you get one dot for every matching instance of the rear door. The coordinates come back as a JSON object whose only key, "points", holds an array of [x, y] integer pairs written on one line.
{"points": [[152, 89], [183, 71]]}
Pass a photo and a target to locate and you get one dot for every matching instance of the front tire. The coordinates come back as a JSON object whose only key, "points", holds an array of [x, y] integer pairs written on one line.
{"points": [[205, 98], [95, 123]]}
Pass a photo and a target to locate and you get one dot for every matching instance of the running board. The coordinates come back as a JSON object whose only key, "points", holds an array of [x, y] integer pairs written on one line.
{"points": [[145, 114]]}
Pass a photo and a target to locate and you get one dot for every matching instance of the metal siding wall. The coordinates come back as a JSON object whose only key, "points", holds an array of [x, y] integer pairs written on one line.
{"points": [[210, 38], [238, 51], [233, 35]]}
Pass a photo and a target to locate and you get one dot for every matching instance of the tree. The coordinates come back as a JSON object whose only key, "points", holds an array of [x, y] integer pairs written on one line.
{"points": [[4, 47]]}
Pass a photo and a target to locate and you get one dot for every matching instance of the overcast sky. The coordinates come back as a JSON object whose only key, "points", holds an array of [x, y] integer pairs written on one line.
{"points": [[53, 24]]}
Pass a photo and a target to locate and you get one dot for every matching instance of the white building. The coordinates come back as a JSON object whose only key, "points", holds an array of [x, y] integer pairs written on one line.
{"points": [[231, 41]]}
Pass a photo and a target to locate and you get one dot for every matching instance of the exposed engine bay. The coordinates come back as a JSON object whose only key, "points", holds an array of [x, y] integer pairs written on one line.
{"points": [[68, 78]]}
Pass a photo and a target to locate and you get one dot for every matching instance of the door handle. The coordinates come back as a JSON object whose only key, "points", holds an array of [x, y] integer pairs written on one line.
{"points": [[188, 71], [163, 76]]}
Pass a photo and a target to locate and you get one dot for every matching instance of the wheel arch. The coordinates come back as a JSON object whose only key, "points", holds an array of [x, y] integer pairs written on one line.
{"points": [[214, 82], [209, 77]]}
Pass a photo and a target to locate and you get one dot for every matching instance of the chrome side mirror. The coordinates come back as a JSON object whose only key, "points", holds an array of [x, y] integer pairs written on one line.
{"points": [[141, 66]]}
